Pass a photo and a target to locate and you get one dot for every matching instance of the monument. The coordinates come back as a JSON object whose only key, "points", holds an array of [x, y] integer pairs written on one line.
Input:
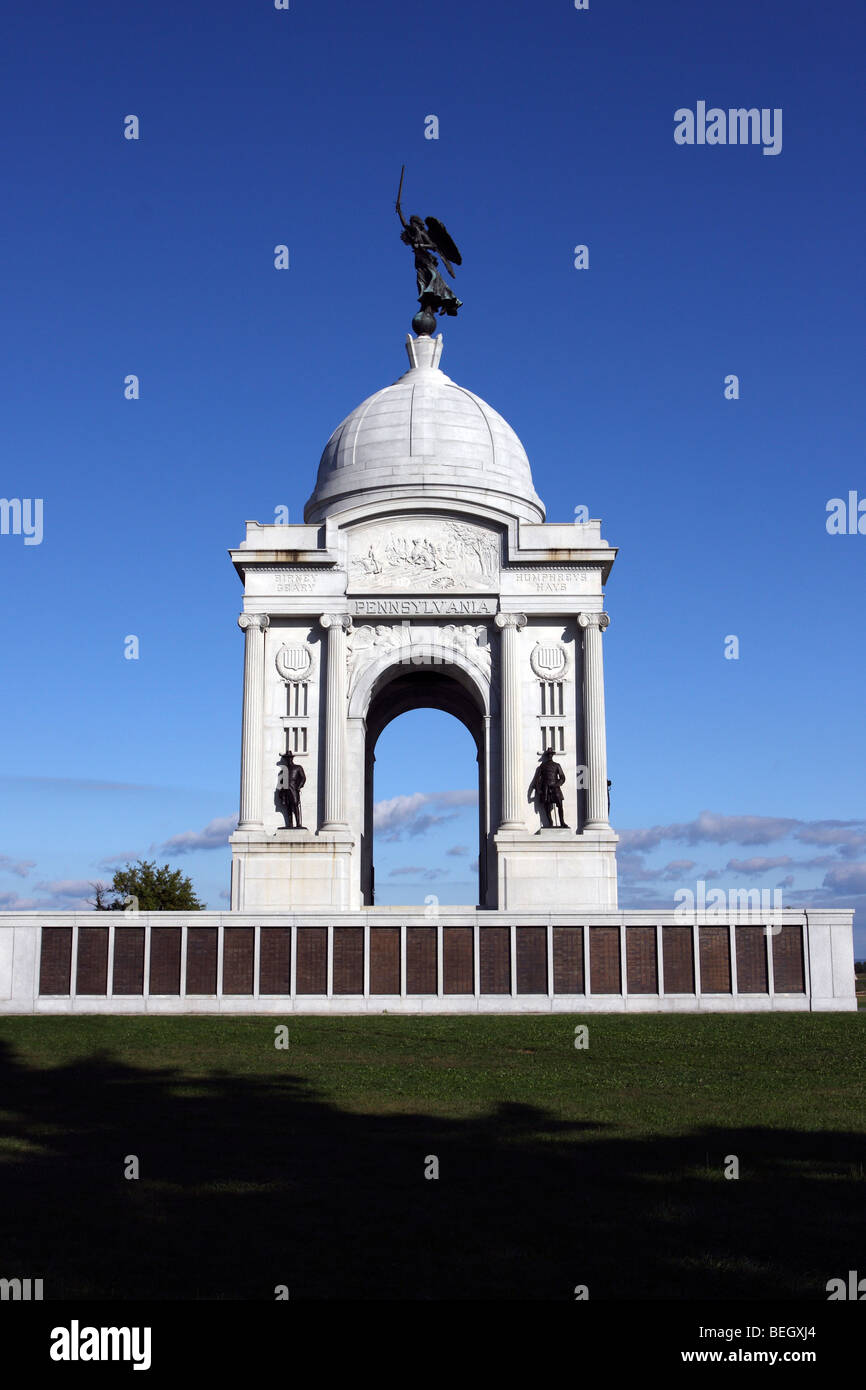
{"points": [[425, 574]]}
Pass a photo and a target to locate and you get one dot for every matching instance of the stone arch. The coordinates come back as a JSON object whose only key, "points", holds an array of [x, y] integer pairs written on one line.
{"points": [[425, 675], [423, 655]]}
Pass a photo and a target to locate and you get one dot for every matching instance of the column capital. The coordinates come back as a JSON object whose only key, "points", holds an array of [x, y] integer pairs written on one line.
{"points": [[343, 620], [259, 620], [599, 620], [515, 620]]}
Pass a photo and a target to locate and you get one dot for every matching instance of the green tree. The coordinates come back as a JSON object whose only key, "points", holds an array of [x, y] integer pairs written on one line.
{"points": [[153, 889]]}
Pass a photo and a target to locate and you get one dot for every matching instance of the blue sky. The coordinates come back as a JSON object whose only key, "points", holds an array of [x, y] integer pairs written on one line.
{"points": [[556, 128]]}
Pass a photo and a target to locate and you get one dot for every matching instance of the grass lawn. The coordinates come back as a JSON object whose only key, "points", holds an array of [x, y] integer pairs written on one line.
{"points": [[557, 1166]]}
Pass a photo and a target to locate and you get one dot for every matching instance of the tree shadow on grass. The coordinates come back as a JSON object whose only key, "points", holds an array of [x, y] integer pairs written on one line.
{"points": [[248, 1182]]}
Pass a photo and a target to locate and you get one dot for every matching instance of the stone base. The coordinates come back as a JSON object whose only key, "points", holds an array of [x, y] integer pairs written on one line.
{"points": [[293, 870], [819, 945], [556, 870]]}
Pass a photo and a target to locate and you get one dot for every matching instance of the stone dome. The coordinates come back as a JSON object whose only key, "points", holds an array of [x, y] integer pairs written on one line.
{"points": [[424, 436]]}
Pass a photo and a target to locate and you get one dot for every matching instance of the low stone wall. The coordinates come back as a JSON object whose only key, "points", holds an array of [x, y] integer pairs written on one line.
{"points": [[398, 960]]}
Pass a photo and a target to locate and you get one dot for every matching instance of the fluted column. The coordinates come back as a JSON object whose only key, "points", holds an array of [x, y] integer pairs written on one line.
{"points": [[254, 626], [336, 625], [595, 735], [512, 800]]}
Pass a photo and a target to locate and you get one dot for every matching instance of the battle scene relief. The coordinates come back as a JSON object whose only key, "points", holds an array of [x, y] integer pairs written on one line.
{"points": [[424, 555]]}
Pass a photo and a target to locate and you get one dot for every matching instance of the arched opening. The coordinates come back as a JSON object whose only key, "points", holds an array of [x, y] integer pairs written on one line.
{"points": [[400, 691], [425, 811]]}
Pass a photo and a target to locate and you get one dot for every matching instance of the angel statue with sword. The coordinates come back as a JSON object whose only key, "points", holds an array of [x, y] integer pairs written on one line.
{"points": [[429, 238]]}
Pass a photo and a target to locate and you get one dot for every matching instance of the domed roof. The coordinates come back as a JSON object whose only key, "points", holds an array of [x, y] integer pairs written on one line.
{"points": [[426, 436]]}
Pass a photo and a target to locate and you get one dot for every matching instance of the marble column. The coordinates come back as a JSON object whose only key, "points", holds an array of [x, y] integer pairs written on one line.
{"points": [[336, 625], [513, 795], [595, 736], [254, 626]]}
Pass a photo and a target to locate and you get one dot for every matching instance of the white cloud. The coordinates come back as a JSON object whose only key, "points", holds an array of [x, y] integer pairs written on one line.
{"points": [[63, 895], [849, 837], [416, 871], [214, 836], [119, 861], [416, 814], [633, 869], [759, 864], [846, 878], [710, 826], [66, 887], [20, 867]]}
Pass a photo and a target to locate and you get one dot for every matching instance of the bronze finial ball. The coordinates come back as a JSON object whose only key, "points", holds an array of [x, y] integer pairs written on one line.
{"points": [[424, 322]]}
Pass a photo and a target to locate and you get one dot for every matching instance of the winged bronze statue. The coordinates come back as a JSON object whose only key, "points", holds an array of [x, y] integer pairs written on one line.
{"points": [[429, 238]]}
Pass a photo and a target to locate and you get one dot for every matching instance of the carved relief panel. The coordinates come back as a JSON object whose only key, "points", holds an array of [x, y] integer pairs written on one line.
{"points": [[424, 555]]}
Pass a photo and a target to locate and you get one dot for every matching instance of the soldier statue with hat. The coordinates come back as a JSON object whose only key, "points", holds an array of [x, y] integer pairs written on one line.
{"points": [[546, 783], [292, 779]]}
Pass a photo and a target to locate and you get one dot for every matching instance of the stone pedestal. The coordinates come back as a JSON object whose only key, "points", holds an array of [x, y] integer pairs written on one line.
{"points": [[556, 870], [294, 870]]}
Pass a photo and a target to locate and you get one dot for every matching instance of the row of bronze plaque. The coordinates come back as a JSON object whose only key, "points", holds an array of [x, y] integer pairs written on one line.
{"points": [[458, 960]]}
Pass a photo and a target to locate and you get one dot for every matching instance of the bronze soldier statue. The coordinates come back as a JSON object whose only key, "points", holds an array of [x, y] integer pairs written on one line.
{"points": [[546, 783], [290, 791]]}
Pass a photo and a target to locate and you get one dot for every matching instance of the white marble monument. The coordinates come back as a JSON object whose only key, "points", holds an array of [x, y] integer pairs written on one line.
{"points": [[424, 575]]}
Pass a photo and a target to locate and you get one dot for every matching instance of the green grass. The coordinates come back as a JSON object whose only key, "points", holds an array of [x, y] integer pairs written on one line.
{"points": [[558, 1166]]}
